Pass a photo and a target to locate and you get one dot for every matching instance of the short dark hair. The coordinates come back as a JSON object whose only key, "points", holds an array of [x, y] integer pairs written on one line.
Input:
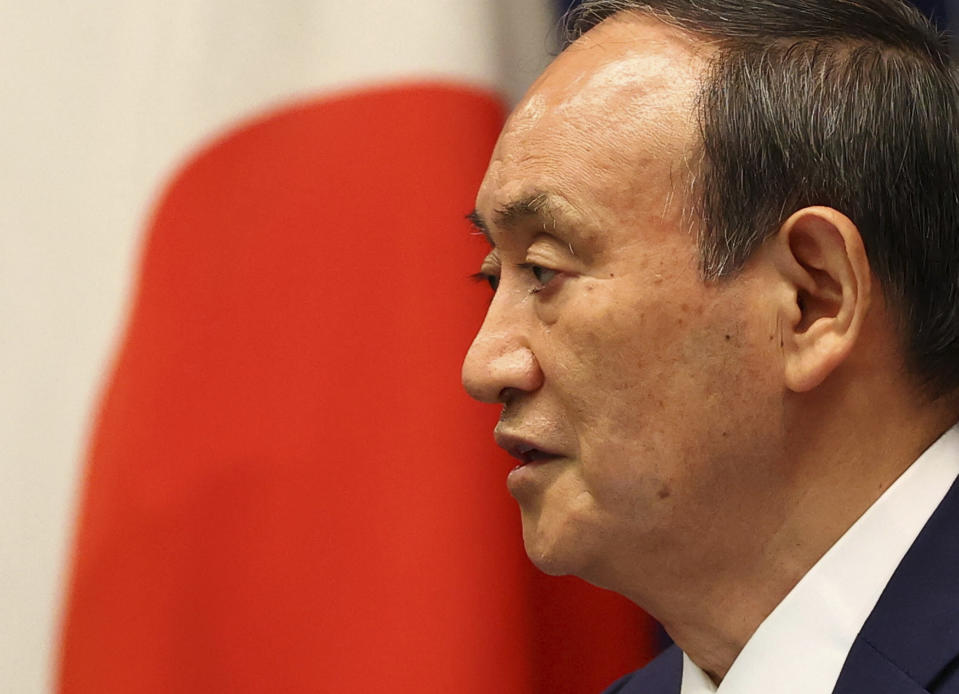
{"points": [[851, 104]]}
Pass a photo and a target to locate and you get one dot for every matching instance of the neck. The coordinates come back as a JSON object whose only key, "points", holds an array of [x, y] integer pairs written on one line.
{"points": [[835, 467]]}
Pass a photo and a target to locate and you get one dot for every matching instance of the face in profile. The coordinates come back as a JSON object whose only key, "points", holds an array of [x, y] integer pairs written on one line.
{"points": [[630, 387]]}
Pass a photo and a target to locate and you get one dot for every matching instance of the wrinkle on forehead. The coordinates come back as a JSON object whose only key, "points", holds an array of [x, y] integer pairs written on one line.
{"points": [[527, 114], [624, 75], [619, 99], [635, 73]]}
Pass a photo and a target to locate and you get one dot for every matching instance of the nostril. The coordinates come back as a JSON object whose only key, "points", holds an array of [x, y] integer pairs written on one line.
{"points": [[507, 395]]}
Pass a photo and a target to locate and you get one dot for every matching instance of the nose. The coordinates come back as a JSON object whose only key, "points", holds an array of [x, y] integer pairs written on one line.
{"points": [[500, 360]]}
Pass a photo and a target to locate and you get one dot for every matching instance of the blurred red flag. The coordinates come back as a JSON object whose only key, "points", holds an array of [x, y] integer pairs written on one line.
{"points": [[287, 489]]}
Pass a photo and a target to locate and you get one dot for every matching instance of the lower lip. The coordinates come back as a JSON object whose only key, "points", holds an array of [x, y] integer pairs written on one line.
{"points": [[528, 474]]}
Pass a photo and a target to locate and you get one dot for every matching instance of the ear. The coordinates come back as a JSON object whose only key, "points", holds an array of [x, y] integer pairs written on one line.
{"points": [[821, 257]]}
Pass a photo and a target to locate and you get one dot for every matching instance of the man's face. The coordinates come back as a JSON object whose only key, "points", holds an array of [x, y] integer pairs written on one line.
{"points": [[634, 393]]}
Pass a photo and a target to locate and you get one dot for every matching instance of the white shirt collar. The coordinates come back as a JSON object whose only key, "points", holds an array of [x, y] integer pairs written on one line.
{"points": [[801, 646]]}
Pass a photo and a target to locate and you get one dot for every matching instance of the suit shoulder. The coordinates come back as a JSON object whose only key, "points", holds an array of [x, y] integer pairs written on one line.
{"points": [[663, 675]]}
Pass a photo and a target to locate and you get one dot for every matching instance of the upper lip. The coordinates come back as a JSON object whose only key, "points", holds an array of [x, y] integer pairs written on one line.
{"points": [[523, 449]]}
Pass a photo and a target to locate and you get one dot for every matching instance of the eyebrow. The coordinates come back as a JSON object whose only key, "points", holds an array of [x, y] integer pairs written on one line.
{"points": [[539, 204], [479, 224]]}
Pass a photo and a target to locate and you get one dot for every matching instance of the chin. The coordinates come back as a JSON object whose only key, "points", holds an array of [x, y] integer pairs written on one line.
{"points": [[548, 563], [555, 551]]}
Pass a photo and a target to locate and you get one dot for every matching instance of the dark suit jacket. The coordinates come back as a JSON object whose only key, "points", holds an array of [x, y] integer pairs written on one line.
{"points": [[908, 645]]}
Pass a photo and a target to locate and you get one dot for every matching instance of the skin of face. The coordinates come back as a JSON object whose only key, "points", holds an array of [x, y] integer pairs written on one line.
{"points": [[655, 397]]}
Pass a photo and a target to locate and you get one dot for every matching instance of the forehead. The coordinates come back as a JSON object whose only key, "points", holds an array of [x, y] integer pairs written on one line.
{"points": [[614, 109]]}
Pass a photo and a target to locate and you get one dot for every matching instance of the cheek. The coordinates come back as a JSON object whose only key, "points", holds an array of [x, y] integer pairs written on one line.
{"points": [[622, 356], [612, 359], [655, 386]]}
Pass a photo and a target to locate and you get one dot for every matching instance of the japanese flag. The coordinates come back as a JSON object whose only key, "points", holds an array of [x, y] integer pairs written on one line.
{"points": [[282, 487]]}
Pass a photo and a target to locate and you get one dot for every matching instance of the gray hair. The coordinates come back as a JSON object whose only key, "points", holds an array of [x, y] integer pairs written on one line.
{"points": [[851, 104]]}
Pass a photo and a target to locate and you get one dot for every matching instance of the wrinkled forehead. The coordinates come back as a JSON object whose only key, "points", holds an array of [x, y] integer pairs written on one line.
{"points": [[624, 89], [629, 58]]}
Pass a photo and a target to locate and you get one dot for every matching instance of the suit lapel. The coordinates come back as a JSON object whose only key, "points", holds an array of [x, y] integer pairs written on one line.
{"points": [[914, 628], [664, 675], [867, 671]]}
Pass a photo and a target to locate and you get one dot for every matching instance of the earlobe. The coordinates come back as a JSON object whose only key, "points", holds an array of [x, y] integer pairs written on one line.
{"points": [[820, 255]]}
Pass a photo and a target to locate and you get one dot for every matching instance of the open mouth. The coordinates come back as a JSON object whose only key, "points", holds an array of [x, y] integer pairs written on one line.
{"points": [[534, 455], [525, 450], [527, 454]]}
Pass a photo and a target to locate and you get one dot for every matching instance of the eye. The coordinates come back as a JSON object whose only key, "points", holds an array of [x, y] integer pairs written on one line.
{"points": [[542, 274], [492, 280]]}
